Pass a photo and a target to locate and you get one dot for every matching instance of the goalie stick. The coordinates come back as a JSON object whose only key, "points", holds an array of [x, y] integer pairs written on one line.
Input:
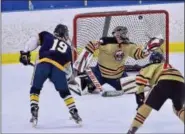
{"points": [[117, 93], [121, 92], [34, 65], [93, 78]]}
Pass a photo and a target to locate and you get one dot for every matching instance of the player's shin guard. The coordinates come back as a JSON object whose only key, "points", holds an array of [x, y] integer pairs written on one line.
{"points": [[142, 113], [179, 113]]}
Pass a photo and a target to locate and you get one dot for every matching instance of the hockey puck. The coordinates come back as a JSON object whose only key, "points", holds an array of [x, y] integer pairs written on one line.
{"points": [[140, 17]]}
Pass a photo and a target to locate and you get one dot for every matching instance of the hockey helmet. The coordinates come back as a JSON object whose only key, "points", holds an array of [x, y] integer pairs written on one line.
{"points": [[61, 31], [156, 57], [120, 31]]}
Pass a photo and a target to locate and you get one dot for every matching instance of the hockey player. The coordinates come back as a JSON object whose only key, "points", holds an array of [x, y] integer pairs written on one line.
{"points": [[113, 52], [54, 62], [167, 82]]}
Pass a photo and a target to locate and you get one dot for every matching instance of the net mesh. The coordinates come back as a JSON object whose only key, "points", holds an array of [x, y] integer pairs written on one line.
{"points": [[141, 26]]}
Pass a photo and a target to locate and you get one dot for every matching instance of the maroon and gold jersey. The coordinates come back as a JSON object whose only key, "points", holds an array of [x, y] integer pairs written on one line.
{"points": [[112, 55]]}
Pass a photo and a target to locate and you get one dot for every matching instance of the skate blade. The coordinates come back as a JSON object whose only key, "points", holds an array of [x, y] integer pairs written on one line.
{"points": [[77, 122], [34, 123]]}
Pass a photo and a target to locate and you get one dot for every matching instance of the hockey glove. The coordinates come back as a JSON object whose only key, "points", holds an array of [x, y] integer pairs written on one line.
{"points": [[25, 58], [154, 43], [140, 99]]}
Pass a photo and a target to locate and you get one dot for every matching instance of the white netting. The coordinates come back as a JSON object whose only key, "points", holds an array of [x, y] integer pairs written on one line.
{"points": [[141, 26]]}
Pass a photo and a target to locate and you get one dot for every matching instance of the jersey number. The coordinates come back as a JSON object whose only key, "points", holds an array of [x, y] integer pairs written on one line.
{"points": [[59, 46]]}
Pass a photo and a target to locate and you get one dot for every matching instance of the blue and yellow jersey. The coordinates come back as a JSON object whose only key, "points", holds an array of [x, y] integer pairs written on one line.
{"points": [[54, 51]]}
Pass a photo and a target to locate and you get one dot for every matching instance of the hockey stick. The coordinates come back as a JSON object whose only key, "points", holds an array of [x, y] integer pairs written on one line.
{"points": [[34, 65], [78, 93], [122, 92], [117, 93]]}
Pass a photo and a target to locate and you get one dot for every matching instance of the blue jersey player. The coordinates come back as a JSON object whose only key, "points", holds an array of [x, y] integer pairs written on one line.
{"points": [[55, 57]]}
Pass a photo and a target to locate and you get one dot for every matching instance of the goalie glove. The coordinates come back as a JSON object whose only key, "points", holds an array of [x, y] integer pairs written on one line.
{"points": [[83, 61], [154, 43], [25, 58]]}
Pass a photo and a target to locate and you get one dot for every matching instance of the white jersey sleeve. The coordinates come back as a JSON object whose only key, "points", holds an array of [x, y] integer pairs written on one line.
{"points": [[32, 44]]}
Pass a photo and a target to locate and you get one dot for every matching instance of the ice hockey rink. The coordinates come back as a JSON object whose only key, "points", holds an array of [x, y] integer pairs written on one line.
{"points": [[100, 115]]}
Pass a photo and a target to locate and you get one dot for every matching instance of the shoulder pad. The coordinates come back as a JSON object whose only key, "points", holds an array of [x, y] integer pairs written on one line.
{"points": [[107, 40], [43, 34]]}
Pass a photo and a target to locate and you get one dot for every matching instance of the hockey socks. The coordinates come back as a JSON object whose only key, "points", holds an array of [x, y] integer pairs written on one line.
{"points": [[142, 113], [69, 101], [34, 99]]}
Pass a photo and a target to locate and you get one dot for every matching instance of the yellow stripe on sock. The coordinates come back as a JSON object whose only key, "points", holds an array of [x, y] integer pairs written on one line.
{"points": [[69, 101], [34, 97]]}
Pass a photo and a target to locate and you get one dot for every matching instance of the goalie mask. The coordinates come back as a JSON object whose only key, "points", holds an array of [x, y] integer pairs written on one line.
{"points": [[61, 31], [120, 32]]}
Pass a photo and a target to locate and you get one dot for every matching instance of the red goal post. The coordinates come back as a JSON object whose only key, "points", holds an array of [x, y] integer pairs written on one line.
{"points": [[141, 25]]}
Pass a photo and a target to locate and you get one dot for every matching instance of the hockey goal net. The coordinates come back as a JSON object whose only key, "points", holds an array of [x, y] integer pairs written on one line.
{"points": [[141, 25]]}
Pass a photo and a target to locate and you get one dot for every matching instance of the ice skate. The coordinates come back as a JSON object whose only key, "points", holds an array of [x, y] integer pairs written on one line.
{"points": [[75, 116], [34, 118]]}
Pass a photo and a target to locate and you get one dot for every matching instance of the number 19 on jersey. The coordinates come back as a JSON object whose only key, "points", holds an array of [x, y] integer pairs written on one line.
{"points": [[59, 46]]}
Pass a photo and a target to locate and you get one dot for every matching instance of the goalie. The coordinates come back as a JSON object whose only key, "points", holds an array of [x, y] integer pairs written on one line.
{"points": [[113, 52]]}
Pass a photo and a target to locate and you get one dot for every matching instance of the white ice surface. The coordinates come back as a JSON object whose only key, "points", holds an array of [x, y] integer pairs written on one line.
{"points": [[100, 115]]}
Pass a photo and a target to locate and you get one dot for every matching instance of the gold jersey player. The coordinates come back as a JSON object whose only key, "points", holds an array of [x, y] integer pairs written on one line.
{"points": [[167, 82], [113, 52], [54, 63]]}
